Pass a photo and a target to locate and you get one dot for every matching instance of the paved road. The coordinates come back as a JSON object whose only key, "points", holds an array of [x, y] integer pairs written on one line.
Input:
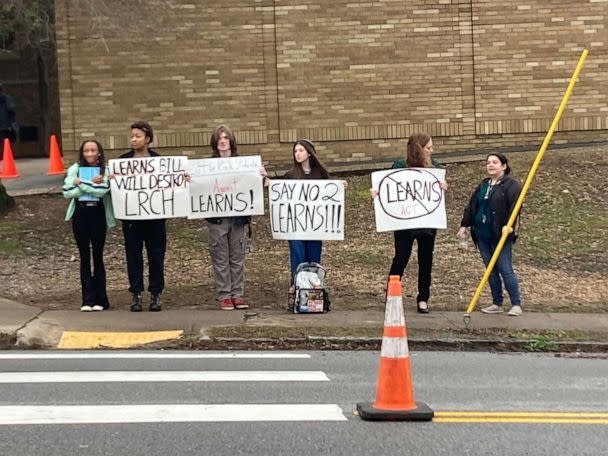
{"points": [[149, 403]]}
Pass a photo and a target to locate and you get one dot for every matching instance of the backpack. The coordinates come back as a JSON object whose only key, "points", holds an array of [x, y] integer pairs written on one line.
{"points": [[311, 294]]}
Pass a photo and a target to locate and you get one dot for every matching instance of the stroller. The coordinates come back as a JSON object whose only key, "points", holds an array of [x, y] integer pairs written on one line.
{"points": [[310, 294]]}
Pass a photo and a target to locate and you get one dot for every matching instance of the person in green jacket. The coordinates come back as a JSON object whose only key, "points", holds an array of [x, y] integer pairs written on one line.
{"points": [[90, 209]]}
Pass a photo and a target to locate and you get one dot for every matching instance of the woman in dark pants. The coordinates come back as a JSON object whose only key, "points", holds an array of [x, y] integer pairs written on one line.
{"points": [[418, 155], [90, 209], [487, 213], [152, 233]]}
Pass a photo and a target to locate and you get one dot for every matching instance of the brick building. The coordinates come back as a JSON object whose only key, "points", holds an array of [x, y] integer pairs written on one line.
{"points": [[356, 77]]}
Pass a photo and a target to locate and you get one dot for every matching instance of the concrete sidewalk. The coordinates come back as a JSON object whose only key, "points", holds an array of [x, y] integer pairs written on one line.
{"points": [[33, 178], [32, 327]]}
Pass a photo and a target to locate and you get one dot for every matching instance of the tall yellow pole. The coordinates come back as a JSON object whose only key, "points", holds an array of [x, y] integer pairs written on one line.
{"points": [[539, 156]]}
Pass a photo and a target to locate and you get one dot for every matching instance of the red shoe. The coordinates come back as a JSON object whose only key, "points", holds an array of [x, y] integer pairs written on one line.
{"points": [[226, 304], [239, 303]]}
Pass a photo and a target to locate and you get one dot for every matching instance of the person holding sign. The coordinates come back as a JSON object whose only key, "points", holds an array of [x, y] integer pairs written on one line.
{"points": [[227, 238], [90, 209], [152, 233], [418, 155], [487, 213], [306, 165]]}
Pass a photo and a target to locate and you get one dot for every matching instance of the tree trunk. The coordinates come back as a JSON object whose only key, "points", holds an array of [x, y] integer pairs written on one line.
{"points": [[7, 202]]}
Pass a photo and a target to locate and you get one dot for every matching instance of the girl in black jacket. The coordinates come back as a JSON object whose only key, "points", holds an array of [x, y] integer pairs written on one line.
{"points": [[487, 213]]}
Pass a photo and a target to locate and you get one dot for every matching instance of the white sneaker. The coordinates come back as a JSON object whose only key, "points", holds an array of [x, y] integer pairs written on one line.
{"points": [[97, 308], [493, 309], [86, 309], [515, 311]]}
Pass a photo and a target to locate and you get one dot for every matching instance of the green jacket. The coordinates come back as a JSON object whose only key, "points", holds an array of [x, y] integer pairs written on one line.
{"points": [[401, 163], [72, 192]]}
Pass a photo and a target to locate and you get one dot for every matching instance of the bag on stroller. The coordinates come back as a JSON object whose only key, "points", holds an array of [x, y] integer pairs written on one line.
{"points": [[310, 293]]}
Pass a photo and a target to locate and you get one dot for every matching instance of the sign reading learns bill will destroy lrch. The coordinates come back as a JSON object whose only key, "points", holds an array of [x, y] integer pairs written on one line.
{"points": [[226, 187], [149, 188], [409, 198], [306, 209]]}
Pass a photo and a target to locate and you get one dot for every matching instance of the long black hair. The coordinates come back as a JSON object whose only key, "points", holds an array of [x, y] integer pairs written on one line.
{"points": [[101, 157], [315, 163]]}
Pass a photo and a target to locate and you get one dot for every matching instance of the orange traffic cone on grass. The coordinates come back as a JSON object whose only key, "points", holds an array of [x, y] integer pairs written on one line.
{"points": [[394, 392], [55, 161], [8, 162]]}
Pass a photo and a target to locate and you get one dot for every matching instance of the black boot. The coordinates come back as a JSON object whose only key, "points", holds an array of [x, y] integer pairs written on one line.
{"points": [[136, 303], [155, 303]]}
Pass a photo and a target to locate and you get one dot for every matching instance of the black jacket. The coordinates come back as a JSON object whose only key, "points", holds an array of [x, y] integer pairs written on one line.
{"points": [[502, 202], [131, 153]]}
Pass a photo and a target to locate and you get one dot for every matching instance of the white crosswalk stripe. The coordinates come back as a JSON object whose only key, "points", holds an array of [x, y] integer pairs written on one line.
{"points": [[159, 355], [162, 376], [67, 412], [174, 413]]}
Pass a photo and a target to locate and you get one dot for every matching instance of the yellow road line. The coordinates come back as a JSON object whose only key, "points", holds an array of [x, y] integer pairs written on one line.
{"points": [[522, 417], [83, 340]]}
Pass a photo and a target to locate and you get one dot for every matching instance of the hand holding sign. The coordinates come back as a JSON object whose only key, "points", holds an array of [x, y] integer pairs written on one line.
{"points": [[149, 188], [409, 198], [307, 209], [226, 187]]}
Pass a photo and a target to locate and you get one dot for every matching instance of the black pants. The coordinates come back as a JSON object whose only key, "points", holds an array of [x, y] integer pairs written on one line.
{"points": [[89, 226], [404, 240], [153, 234]]}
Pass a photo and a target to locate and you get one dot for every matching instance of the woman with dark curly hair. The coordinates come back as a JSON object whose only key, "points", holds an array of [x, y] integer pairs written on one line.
{"points": [[90, 209]]}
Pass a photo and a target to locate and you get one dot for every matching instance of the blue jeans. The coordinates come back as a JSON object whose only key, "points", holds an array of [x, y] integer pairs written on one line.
{"points": [[504, 268], [303, 252]]}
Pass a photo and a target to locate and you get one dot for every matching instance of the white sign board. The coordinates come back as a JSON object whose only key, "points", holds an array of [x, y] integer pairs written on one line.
{"points": [[226, 187], [306, 209], [149, 188], [409, 198]]}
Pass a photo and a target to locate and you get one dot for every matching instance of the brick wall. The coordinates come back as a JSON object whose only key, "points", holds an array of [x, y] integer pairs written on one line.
{"points": [[356, 77]]}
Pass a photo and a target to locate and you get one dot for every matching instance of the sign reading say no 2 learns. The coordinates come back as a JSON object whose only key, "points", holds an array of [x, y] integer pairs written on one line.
{"points": [[409, 198], [306, 209], [149, 188]]}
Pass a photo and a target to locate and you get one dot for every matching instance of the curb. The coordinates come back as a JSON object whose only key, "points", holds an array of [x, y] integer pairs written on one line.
{"points": [[374, 343]]}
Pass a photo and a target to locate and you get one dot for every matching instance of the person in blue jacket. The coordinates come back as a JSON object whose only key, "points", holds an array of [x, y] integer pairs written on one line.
{"points": [[90, 209]]}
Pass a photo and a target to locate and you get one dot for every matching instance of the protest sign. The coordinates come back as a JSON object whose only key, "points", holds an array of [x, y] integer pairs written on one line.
{"points": [[306, 209], [409, 198], [149, 188], [226, 187]]}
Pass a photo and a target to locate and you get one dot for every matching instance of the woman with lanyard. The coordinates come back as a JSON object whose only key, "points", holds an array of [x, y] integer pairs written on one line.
{"points": [[90, 209], [487, 213]]}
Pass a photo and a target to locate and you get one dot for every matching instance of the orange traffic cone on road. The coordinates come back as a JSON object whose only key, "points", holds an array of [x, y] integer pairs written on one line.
{"points": [[55, 161], [394, 392], [8, 170]]}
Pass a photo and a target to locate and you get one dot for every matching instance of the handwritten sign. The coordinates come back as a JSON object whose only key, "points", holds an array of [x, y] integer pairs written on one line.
{"points": [[149, 188], [226, 187], [409, 198], [306, 209]]}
